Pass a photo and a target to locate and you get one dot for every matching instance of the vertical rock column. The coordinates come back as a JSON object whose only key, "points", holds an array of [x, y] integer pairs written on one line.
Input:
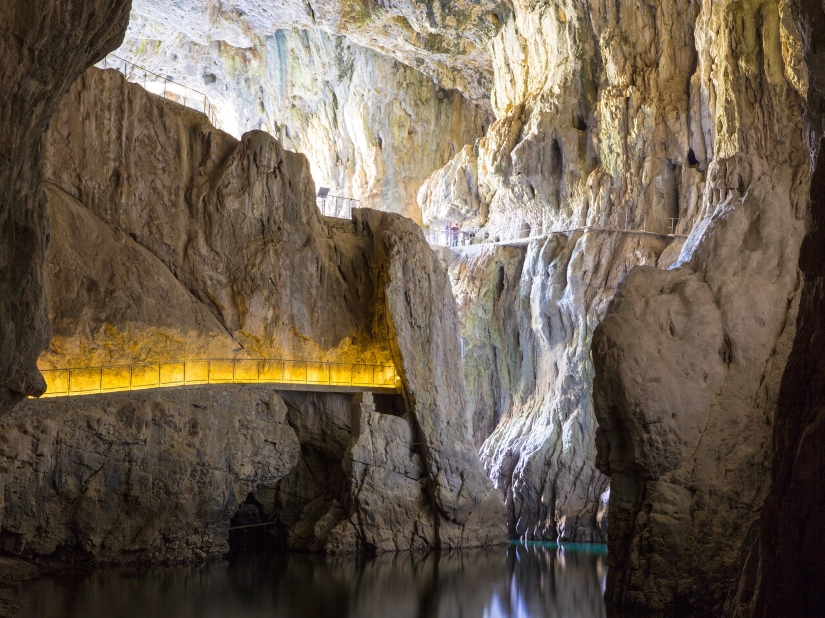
{"points": [[781, 567], [44, 46], [390, 507], [689, 361], [424, 336]]}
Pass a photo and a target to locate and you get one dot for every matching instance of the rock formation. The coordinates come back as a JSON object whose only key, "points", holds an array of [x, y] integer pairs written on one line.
{"points": [[238, 262], [446, 42], [44, 45], [781, 559], [528, 314], [371, 127], [234, 222], [614, 125], [420, 311], [139, 477], [110, 298], [360, 482], [689, 361]]}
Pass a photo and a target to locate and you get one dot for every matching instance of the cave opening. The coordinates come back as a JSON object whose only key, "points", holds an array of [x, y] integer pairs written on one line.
{"points": [[691, 157], [253, 530]]}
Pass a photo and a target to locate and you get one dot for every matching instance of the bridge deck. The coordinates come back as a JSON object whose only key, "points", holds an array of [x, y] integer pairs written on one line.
{"points": [[284, 374]]}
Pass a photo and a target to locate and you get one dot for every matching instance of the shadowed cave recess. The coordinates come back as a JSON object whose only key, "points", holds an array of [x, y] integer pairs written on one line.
{"points": [[510, 292]]}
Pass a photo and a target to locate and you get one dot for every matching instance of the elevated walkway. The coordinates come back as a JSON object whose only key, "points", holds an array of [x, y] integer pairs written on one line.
{"points": [[281, 373], [522, 241]]}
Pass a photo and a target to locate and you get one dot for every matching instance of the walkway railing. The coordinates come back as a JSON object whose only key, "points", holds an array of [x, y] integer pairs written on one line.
{"points": [[336, 206], [463, 238], [113, 378], [450, 239], [163, 86]]}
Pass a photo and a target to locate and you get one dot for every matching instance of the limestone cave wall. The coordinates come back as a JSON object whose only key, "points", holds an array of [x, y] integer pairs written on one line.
{"points": [[371, 127], [177, 240], [684, 368], [45, 46]]}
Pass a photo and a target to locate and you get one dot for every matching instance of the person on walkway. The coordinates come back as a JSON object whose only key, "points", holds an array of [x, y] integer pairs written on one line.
{"points": [[454, 236]]}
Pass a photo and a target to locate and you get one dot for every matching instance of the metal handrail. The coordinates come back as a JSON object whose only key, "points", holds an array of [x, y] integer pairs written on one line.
{"points": [[336, 206], [463, 238], [206, 108], [113, 378]]}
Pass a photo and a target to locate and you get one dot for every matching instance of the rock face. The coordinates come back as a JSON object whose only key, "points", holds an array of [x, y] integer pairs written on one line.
{"points": [[527, 318], [139, 477], [689, 361], [44, 46], [423, 321], [450, 194], [371, 127], [233, 222], [388, 483], [446, 42], [113, 302], [780, 563], [361, 483], [227, 235]]}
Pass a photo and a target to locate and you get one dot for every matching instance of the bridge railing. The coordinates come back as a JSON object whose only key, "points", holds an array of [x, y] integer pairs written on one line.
{"points": [[336, 206], [163, 86], [113, 378]]}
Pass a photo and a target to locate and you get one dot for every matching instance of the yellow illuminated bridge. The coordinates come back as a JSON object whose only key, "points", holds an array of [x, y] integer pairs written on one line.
{"points": [[286, 374]]}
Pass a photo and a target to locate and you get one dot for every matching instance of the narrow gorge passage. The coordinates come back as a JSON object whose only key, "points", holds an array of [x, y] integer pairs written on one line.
{"points": [[372, 309]]}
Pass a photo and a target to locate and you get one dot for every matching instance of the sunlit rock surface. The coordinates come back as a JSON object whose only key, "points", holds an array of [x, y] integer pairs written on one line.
{"points": [[371, 127], [450, 195], [44, 47], [689, 361], [445, 41], [528, 315], [139, 477]]}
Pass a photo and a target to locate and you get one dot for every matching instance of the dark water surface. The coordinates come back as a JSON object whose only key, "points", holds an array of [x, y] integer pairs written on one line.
{"points": [[519, 581]]}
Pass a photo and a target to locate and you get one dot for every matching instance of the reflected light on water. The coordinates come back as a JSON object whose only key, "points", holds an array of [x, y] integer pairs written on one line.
{"points": [[519, 581]]}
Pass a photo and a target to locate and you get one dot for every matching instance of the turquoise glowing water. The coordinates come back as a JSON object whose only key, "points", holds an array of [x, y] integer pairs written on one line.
{"points": [[520, 581]]}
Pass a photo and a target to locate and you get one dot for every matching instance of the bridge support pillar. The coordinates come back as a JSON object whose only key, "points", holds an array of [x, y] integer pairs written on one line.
{"points": [[362, 405]]}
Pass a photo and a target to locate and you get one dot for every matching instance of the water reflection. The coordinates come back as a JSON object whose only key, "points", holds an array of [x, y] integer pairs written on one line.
{"points": [[514, 582]]}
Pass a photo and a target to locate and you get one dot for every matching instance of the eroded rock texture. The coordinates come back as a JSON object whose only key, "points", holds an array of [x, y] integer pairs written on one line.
{"points": [[229, 226], [424, 328], [371, 127], [528, 314], [44, 46], [689, 361], [238, 255], [139, 477], [360, 483], [781, 560], [111, 301], [445, 41]]}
